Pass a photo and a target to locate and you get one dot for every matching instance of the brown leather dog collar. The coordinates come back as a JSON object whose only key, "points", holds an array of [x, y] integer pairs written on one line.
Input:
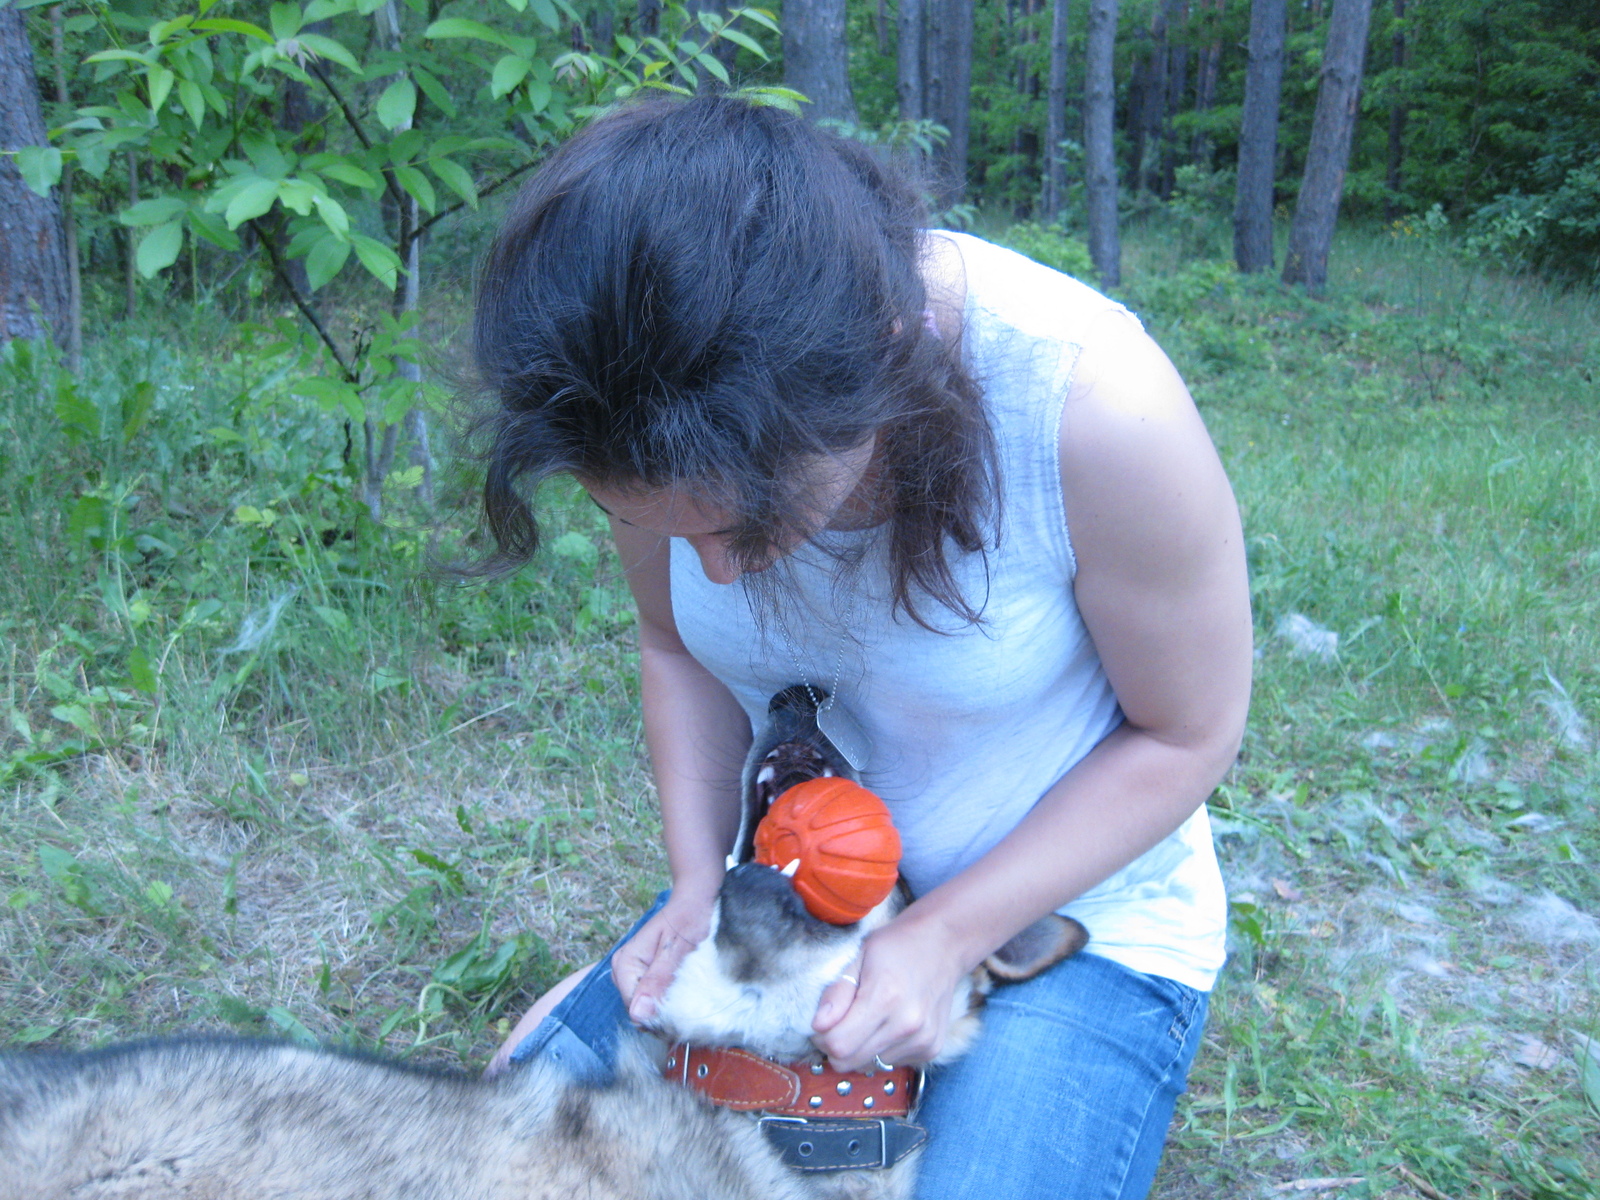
{"points": [[745, 1082]]}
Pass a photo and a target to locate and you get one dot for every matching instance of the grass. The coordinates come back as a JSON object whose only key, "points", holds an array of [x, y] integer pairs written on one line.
{"points": [[262, 770]]}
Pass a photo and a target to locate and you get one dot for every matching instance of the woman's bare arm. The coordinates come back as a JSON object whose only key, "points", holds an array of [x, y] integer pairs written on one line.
{"points": [[1162, 588], [697, 736]]}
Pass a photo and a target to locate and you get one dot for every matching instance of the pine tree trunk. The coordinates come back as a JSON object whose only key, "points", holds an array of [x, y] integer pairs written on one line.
{"points": [[1398, 115], [1177, 86], [1205, 84], [1258, 137], [1025, 143], [33, 267], [648, 20], [1153, 103], [909, 56], [949, 90], [816, 58], [69, 221], [1055, 127], [1328, 157], [1099, 119]]}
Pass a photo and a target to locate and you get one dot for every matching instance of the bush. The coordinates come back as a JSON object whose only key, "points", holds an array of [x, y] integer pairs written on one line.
{"points": [[1556, 232], [1050, 247]]}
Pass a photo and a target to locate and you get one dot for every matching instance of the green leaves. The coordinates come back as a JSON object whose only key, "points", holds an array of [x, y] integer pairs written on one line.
{"points": [[252, 200], [455, 177], [159, 248], [326, 259], [508, 73], [397, 104], [461, 27], [382, 263], [39, 166]]}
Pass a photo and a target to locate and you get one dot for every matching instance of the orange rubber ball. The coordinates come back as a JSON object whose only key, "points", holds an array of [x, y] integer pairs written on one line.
{"points": [[845, 841]]}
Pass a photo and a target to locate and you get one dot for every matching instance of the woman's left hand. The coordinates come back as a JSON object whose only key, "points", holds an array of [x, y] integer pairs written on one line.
{"points": [[900, 1011]]}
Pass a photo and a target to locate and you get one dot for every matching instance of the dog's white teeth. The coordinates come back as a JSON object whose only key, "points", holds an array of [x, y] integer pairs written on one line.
{"points": [[766, 774], [789, 871]]}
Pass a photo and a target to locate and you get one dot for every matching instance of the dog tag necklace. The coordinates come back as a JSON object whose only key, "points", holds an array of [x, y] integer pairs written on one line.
{"points": [[837, 723]]}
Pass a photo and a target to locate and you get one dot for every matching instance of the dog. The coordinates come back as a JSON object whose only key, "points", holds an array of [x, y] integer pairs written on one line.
{"points": [[218, 1118]]}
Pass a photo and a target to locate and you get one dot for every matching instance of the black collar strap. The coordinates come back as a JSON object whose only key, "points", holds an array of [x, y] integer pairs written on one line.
{"points": [[842, 1145]]}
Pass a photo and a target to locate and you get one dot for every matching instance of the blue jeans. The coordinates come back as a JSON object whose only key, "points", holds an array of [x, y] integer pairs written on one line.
{"points": [[1067, 1093]]}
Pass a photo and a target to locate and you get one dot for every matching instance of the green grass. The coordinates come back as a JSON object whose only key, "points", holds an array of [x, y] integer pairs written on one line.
{"points": [[395, 812]]}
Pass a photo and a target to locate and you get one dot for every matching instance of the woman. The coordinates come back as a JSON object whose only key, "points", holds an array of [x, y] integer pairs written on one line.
{"points": [[969, 498]]}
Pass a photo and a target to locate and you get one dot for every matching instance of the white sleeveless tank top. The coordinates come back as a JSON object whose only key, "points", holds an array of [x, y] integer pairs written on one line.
{"points": [[971, 726]]}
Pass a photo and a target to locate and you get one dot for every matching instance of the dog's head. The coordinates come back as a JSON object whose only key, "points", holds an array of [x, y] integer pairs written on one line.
{"points": [[756, 980]]}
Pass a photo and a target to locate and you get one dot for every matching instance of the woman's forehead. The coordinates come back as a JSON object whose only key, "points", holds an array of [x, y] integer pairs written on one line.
{"points": [[674, 510]]}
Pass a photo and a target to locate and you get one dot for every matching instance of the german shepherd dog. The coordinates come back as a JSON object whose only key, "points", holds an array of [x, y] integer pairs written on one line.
{"points": [[218, 1118]]}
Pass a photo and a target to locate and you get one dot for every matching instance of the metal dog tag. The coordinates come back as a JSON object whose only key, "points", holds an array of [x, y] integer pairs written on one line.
{"points": [[841, 728]]}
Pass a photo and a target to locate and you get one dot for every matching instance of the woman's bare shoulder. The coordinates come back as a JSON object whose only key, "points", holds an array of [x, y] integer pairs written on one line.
{"points": [[1143, 484]]}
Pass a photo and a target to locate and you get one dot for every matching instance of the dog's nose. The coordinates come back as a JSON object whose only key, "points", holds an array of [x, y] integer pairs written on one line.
{"points": [[755, 884], [760, 918]]}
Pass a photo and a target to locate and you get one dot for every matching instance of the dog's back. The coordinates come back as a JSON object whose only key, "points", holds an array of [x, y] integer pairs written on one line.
{"points": [[242, 1120]]}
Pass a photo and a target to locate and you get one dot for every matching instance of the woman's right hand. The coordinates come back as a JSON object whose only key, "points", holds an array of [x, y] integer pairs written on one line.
{"points": [[644, 965]]}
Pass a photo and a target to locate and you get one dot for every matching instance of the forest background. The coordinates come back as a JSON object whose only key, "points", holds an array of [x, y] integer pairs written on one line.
{"points": [[263, 768]]}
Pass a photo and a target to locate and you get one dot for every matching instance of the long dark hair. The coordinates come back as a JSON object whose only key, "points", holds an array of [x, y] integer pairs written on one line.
{"points": [[709, 293]]}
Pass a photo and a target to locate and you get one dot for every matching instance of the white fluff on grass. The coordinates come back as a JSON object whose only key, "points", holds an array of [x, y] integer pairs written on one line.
{"points": [[1552, 921], [1307, 639], [259, 624], [1569, 723]]}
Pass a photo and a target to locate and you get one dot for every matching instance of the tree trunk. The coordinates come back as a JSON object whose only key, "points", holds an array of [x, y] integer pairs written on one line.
{"points": [[1152, 104], [1099, 118], [1258, 137], [949, 88], [33, 268], [1205, 86], [1338, 102], [1055, 124], [1025, 143], [380, 444], [816, 58], [602, 30], [69, 221], [1398, 115], [883, 24], [649, 19], [1177, 84], [909, 57]]}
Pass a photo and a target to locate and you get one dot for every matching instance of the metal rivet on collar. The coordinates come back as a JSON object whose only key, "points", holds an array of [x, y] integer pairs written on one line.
{"points": [[842, 1087], [868, 1101], [888, 1087], [816, 1068], [815, 1102], [702, 1071], [672, 1061], [805, 1149]]}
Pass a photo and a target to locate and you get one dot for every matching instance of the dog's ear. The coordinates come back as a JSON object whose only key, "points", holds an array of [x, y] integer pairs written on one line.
{"points": [[1037, 948]]}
